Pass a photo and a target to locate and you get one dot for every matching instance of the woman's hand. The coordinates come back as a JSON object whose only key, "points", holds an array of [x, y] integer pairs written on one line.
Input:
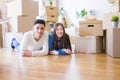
{"points": [[68, 51], [26, 53], [54, 52]]}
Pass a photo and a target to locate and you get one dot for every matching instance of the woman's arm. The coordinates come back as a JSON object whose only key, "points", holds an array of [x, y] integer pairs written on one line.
{"points": [[68, 48], [51, 47], [51, 42], [68, 51], [59, 51], [54, 52]]}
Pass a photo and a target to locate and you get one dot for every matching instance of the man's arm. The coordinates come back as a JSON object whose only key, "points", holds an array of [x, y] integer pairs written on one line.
{"points": [[44, 50]]}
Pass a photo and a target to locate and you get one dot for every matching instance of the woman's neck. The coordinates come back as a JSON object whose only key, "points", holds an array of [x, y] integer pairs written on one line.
{"points": [[58, 38]]}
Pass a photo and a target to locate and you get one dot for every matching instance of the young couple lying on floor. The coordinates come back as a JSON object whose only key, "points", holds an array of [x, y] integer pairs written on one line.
{"points": [[37, 42]]}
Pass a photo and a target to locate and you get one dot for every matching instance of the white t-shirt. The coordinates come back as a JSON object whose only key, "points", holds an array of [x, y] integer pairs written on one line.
{"points": [[38, 48]]}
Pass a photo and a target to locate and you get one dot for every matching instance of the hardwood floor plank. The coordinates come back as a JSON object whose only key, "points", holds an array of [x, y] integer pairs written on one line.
{"points": [[71, 67]]}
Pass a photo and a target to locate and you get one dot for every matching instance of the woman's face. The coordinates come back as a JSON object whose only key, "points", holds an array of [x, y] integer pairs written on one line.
{"points": [[59, 31], [39, 29]]}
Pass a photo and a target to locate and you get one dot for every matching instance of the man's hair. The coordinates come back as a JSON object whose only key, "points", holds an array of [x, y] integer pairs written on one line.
{"points": [[39, 21]]}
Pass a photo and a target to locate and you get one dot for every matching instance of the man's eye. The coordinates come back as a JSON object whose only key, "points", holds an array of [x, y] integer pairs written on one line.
{"points": [[37, 28], [42, 28]]}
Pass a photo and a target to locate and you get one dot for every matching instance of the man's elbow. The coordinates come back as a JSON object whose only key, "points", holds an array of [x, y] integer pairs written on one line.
{"points": [[46, 53]]}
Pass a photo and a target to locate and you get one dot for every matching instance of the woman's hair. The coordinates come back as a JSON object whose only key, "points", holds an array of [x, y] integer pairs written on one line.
{"points": [[65, 38], [39, 21]]}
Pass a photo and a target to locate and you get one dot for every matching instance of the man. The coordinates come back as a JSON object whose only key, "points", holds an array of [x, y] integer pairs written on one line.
{"points": [[35, 42]]}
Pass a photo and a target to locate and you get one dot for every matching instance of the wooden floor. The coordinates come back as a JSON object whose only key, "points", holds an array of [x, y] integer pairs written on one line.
{"points": [[70, 67]]}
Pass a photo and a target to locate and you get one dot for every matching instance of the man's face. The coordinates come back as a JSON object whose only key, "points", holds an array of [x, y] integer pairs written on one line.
{"points": [[39, 29]]}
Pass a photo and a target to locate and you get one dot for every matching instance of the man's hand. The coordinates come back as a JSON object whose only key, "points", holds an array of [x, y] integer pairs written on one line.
{"points": [[26, 53]]}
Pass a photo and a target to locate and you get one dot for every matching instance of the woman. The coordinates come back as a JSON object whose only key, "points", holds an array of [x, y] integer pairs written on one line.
{"points": [[59, 42], [35, 42]]}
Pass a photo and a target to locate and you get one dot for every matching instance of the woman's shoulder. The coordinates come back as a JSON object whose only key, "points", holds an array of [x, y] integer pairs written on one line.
{"points": [[51, 35], [66, 35]]}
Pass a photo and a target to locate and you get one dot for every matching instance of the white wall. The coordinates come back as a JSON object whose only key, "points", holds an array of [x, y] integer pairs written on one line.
{"points": [[70, 7]]}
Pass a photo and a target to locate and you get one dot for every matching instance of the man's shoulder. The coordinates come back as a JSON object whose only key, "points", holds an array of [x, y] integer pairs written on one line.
{"points": [[46, 33], [28, 33]]}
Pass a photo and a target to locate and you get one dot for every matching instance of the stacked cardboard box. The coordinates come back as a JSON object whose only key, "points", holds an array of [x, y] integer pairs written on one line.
{"points": [[112, 35], [23, 14], [90, 37], [91, 28], [49, 14], [89, 44], [113, 42]]}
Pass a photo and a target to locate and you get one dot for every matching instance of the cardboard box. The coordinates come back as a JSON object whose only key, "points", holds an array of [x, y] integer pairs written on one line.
{"points": [[49, 18], [113, 42], [30, 7], [89, 44], [52, 18], [25, 23], [22, 7], [48, 28], [22, 23], [91, 28], [48, 10]]}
